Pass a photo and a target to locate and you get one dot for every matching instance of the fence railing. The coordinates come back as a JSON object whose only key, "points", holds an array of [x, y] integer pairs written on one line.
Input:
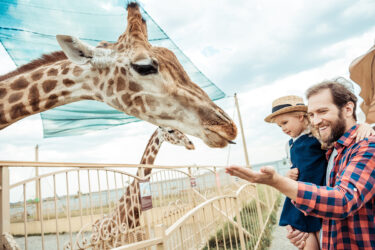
{"points": [[222, 222], [98, 205]]}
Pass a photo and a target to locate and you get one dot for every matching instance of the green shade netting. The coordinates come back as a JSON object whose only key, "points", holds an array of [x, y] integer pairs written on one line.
{"points": [[28, 30]]}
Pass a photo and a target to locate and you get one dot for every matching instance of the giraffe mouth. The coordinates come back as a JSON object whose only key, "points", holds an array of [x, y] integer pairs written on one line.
{"points": [[217, 139]]}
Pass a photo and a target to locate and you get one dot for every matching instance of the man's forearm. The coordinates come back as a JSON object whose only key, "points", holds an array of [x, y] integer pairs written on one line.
{"points": [[286, 186]]}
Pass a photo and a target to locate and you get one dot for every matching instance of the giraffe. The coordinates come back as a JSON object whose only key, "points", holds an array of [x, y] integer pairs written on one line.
{"points": [[129, 75], [127, 213]]}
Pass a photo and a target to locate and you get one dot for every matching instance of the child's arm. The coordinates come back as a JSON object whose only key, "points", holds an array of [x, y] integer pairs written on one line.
{"points": [[292, 174], [364, 130]]}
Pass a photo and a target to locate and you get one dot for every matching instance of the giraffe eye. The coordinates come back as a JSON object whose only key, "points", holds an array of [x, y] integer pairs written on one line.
{"points": [[171, 131], [145, 69]]}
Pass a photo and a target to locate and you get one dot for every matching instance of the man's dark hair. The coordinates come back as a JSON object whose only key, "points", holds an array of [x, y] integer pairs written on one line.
{"points": [[341, 95]]}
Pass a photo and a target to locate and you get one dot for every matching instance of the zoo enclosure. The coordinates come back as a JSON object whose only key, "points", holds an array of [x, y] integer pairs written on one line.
{"points": [[91, 192]]}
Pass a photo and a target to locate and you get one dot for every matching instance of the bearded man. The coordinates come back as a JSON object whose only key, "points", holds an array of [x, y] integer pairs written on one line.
{"points": [[347, 203]]}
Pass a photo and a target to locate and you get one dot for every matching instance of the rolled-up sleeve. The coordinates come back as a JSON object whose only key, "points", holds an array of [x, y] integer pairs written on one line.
{"points": [[354, 187]]}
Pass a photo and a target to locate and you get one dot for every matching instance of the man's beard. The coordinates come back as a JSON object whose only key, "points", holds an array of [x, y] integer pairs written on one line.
{"points": [[338, 129]]}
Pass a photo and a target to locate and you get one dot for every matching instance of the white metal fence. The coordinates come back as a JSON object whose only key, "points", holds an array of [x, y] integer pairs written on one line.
{"points": [[97, 206]]}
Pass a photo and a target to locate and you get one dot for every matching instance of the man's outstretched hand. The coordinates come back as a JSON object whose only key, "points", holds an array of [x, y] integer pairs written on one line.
{"points": [[266, 175]]}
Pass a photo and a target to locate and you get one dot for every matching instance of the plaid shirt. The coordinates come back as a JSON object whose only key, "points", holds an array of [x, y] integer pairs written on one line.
{"points": [[347, 205]]}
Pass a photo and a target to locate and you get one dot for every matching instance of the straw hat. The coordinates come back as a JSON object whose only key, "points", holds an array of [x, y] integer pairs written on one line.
{"points": [[284, 105]]}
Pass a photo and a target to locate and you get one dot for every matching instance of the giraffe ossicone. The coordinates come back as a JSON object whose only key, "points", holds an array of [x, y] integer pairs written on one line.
{"points": [[130, 75]]}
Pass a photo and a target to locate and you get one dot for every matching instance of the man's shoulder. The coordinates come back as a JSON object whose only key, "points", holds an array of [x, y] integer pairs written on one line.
{"points": [[367, 140], [362, 153], [366, 143]]}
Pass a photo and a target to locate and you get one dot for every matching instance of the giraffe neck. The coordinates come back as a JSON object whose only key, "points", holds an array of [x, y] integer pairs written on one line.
{"points": [[150, 153], [129, 206], [47, 87]]}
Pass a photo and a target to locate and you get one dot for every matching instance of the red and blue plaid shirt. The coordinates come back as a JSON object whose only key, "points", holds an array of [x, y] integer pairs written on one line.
{"points": [[347, 204]]}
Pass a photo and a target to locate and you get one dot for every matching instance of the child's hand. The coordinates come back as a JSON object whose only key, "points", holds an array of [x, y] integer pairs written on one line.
{"points": [[296, 237], [364, 130], [292, 174]]}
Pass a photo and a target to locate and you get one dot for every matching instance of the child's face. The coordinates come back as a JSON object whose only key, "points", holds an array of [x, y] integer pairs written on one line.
{"points": [[291, 124]]}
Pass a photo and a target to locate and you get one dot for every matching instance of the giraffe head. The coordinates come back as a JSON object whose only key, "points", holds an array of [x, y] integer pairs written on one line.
{"points": [[149, 83], [175, 137]]}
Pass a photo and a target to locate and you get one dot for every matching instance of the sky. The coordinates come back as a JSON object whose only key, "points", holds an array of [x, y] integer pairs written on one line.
{"points": [[260, 50]]}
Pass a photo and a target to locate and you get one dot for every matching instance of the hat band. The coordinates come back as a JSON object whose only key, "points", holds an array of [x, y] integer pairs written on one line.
{"points": [[278, 107]]}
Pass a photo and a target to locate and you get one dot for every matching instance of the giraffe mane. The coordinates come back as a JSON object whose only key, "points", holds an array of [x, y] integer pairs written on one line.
{"points": [[43, 60]]}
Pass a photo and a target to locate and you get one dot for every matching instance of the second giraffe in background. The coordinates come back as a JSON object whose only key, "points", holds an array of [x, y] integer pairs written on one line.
{"points": [[123, 225]]}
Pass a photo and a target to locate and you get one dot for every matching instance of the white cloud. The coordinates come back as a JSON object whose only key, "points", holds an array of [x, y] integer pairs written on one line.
{"points": [[258, 42]]}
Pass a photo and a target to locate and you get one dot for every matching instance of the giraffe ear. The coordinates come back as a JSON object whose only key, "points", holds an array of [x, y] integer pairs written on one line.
{"points": [[76, 50]]}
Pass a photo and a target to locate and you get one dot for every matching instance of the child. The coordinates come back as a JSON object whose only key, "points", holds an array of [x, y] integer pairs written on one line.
{"points": [[308, 156]]}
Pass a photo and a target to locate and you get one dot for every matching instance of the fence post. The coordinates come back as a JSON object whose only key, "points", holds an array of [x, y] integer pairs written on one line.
{"points": [[37, 191], [267, 196], [259, 209], [217, 180], [240, 228], [147, 223], [272, 195], [4, 201], [191, 193], [160, 232]]}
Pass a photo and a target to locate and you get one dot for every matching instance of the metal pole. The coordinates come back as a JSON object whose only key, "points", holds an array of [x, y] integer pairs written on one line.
{"points": [[4, 201], [37, 192], [240, 227], [242, 133]]}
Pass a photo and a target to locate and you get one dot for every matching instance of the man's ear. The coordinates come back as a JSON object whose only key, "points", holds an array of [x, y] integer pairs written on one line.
{"points": [[77, 51], [348, 109]]}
